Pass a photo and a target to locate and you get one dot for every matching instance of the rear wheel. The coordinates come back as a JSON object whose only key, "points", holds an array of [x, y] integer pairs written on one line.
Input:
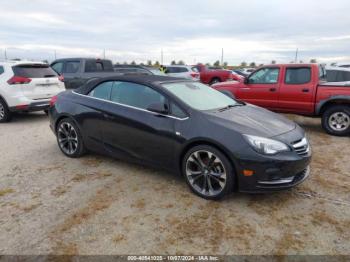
{"points": [[214, 81], [69, 138], [5, 114], [208, 172], [336, 120]]}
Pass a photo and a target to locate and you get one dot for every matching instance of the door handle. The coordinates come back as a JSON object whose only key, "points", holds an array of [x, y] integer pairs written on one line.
{"points": [[272, 89], [305, 90]]}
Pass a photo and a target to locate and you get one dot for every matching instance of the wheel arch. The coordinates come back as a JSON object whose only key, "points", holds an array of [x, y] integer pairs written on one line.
{"points": [[61, 117], [335, 100]]}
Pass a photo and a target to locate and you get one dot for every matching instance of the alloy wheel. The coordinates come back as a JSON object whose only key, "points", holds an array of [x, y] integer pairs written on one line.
{"points": [[339, 121], [67, 138], [2, 111], [206, 173]]}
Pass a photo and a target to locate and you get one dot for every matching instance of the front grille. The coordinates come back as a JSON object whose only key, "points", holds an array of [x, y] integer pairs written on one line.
{"points": [[301, 147]]}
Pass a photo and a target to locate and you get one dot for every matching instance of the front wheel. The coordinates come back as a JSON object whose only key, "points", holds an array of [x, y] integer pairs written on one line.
{"points": [[208, 172], [214, 81], [5, 114], [69, 138], [336, 120]]}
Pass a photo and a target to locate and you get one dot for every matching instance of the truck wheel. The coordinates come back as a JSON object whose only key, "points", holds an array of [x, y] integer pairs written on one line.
{"points": [[336, 120], [214, 81], [5, 114]]}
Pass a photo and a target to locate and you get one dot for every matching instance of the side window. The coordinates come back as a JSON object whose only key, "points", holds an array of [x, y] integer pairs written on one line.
{"points": [[265, 76], [72, 67], [332, 75], [102, 91], [195, 69], [298, 75], [177, 111], [2, 70], [58, 67], [135, 95]]}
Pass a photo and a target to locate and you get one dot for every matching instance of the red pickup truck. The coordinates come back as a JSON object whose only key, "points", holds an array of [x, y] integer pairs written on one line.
{"points": [[299, 89], [212, 76]]}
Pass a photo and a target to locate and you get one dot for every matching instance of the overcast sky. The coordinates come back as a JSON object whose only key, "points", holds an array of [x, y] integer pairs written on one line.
{"points": [[193, 31]]}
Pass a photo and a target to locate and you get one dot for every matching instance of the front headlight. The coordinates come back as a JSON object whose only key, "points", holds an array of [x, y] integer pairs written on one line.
{"points": [[265, 145]]}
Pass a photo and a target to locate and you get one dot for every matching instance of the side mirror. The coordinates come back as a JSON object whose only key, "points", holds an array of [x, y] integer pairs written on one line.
{"points": [[246, 80], [160, 108]]}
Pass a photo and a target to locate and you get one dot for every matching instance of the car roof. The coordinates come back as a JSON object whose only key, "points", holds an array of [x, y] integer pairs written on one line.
{"points": [[338, 68], [21, 62], [138, 79]]}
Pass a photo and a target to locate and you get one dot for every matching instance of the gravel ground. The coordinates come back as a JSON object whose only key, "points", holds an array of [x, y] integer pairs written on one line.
{"points": [[50, 204]]}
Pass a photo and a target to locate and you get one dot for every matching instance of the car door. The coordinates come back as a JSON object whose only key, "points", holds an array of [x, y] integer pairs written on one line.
{"points": [[72, 73], [134, 132], [261, 88], [297, 90]]}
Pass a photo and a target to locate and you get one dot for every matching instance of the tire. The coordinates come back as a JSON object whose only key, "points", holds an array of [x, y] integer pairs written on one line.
{"points": [[336, 120], [208, 180], [228, 93], [214, 81], [69, 138], [5, 114]]}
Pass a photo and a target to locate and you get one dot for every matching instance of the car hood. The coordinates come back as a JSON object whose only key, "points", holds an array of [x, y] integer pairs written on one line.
{"points": [[252, 120]]}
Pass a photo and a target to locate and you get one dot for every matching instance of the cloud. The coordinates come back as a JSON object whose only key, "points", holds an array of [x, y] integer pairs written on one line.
{"points": [[193, 31]]}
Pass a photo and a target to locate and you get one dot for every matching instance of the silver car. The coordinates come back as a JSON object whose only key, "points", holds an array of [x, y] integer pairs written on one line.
{"points": [[183, 71]]}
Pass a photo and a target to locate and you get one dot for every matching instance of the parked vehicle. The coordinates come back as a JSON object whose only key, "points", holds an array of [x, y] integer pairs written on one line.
{"points": [[344, 64], [247, 70], [217, 143], [239, 72], [26, 86], [76, 71], [137, 69], [183, 71], [212, 76], [338, 74], [237, 77], [296, 88]]}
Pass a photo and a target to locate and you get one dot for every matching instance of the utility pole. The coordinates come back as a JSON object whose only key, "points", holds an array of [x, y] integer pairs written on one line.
{"points": [[161, 56], [296, 56], [222, 56], [5, 55], [55, 54], [104, 53]]}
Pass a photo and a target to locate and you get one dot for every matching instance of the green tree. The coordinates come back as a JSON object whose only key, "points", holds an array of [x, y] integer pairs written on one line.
{"points": [[217, 63], [313, 61], [156, 64], [252, 64], [173, 62], [125, 63], [181, 62], [243, 64], [149, 62], [225, 64], [207, 64], [133, 63], [273, 62]]}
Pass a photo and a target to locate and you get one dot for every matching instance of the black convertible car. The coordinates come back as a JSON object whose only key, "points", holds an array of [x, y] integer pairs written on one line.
{"points": [[217, 143]]}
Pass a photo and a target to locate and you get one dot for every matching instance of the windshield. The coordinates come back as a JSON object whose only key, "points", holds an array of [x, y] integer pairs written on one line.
{"points": [[199, 96]]}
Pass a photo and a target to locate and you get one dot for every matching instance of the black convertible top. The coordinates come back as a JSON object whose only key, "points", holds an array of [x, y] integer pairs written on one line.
{"points": [[138, 79]]}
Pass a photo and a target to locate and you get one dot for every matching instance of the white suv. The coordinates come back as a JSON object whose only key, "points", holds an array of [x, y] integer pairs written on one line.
{"points": [[183, 71], [26, 86]]}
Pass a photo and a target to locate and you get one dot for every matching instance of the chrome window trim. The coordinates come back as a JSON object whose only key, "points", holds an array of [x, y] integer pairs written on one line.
{"points": [[133, 107]]}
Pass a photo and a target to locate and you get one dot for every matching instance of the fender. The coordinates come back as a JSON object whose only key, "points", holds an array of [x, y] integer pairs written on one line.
{"points": [[330, 99]]}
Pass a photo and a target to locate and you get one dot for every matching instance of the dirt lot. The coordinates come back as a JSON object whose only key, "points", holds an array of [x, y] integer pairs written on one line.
{"points": [[97, 205]]}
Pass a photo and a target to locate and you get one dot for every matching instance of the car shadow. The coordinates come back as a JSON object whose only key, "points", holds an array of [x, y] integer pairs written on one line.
{"points": [[28, 117]]}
